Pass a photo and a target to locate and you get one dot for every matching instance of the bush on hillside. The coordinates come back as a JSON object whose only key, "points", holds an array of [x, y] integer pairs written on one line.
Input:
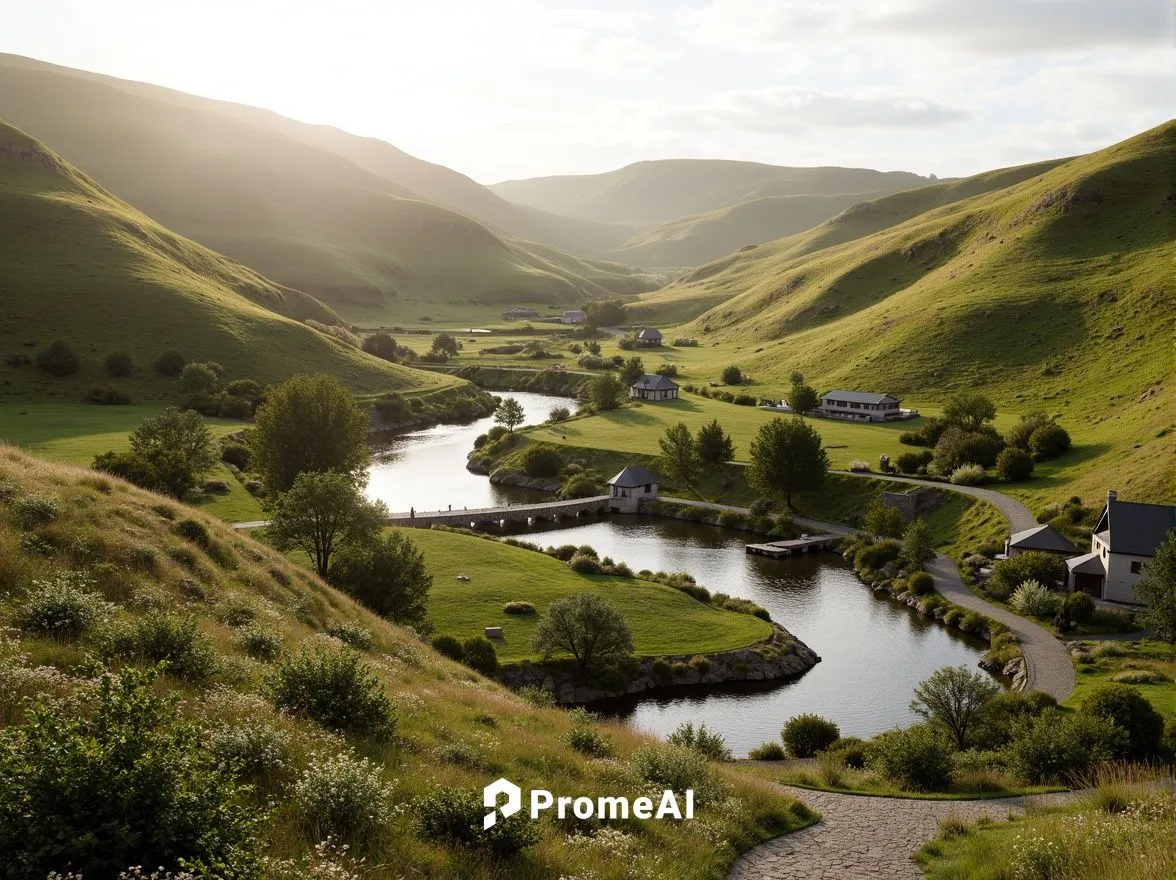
{"points": [[707, 743], [340, 796], [157, 637], [542, 460], [874, 556], [170, 363], [63, 606], [455, 815], [119, 364], [107, 395], [478, 653], [917, 758], [967, 475], [251, 749], [732, 375], [910, 462], [582, 564], [58, 359], [585, 738], [448, 646], [678, 769], [1034, 600], [805, 735], [1058, 746], [1049, 441], [769, 751], [1014, 465], [1045, 568], [1132, 713], [1078, 607], [921, 583], [1002, 714], [957, 447], [518, 608], [334, 687], [119, 786], [352, 635], [261, 643], [236, 454]]}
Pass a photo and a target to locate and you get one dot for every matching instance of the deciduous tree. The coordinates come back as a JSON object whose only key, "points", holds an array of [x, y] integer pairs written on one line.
{"points": [[509, 414], [585, 626], [883, 521], [321, 513], [633, 370], [605, 392], [970, 410], [176, 449], [917, 546], [387, 574], [1157, 590], [786, 457], [679, 455], [444, 343], [714, 445], [953, 697]]}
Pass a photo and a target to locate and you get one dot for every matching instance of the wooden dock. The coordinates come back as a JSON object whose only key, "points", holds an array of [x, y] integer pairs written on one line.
{"points": [[803, 544]]}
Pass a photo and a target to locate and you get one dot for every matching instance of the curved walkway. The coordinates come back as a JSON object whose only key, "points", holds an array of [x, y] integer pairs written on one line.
{"points": [[865, 838]]}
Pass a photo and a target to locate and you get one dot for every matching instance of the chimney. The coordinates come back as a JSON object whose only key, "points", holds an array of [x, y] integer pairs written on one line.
{"points": [[1112, 495]]}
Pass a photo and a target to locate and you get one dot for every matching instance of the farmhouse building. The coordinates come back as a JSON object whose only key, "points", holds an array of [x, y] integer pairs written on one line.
{"points": [[1043, 539], [520, 313], [654, 388], [629, 487], [860, 405], [574, 316], [1126, 537], [650, 336]]}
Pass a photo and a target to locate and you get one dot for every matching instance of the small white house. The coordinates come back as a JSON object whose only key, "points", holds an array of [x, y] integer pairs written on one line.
{"points": [[1042, 539], [650, 336], [1126, 537], [861, 405], [652, 387], [628, 488], [574, 316]]}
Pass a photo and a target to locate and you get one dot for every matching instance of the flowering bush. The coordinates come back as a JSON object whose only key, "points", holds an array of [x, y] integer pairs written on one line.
{"points": [[1034, 600], [341, 795], [63, 607]]}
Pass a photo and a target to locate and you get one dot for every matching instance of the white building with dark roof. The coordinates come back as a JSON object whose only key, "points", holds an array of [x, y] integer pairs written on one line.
{"points": [[574, 316], [861, 405], [650, 336], [653, 387], [1126, 537], [628, 488]]}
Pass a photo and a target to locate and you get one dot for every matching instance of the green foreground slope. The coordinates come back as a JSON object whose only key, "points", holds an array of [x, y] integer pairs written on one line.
{"points": [[78, 264]]}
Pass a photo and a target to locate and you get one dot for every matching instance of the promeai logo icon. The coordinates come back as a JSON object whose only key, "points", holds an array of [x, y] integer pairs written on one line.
{"points": [[514, 801]]}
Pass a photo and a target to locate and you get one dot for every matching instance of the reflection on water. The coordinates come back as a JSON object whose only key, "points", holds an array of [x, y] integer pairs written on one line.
{"points": [[874, 651], [426, 469]]}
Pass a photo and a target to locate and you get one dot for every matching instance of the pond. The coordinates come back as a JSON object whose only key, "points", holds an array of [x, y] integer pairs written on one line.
{"points": [[874, 650]]}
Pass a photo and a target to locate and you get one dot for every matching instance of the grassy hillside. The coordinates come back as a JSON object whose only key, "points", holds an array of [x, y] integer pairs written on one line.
{"points": [[212, 606], [648, 193], [1054, 293], [78, 264], [663, 620], [290, 208]]}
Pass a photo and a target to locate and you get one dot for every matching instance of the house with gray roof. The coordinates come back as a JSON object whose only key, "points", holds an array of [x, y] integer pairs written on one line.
{"points": [[519, 313], [632, 485], [1126, 537], [650, 336], [861, 406], [574, 316], [1042, 539], [653, 387]]}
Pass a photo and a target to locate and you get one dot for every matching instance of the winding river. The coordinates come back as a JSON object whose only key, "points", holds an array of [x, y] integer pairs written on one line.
{"points": [[874, 651]]}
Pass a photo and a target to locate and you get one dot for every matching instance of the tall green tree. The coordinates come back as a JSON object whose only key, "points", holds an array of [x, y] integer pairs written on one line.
{"points": [[309, 423], [176, 449], [714, 444], [969, 410], [633, 370], [953, 697], [605, 392], [803, 398], [786, 457], [387, 574], [1157, 590], [679, 455], [918, 548], [444, 343], [509, 414], [321, 513], [382, 345], [586, 626], [604, 313], [883, 521]]}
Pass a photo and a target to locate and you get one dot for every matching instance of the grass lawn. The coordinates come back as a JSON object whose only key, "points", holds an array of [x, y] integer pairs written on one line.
{"points": [[74, 433], [1120, 659], [851, 781], [662, 619]]}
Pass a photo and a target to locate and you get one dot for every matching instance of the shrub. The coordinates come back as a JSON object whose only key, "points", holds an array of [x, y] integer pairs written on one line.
{"points": [[58, 359], [769, 751], [533, 695], [251, 749], [701, 664], [107, 395], [340, 796], [163, 638], [676, 768], [170, 363], [448, 646], [582, 564], [852, 751], [1057, 746], [1001, 716], [542, 460], [910, 462], [335, 688], [264, 644], [585, 738], [967, 475], [559, 414], [455, 815], [119, 364], [732, 375], [731, 519], [805, 735], [707, 743], [122, 785], [761, 507], [352, 634], [921, 583], [1049, 441], [236, 454], [35, 510], [580, 486], [744, 400], [1034, 600], [1014, 465], [1045, 568], [874, 556], [62, 607], [973, 622], [1078, 607], [191, 530], [479, 654], [1132, 713], [916, 758]]}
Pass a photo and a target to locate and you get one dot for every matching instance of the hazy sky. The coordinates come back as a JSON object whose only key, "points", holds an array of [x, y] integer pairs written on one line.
{"points": [[519, 88]]}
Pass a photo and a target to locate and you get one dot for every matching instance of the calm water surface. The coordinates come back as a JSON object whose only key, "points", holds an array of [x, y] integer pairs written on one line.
{"points": [[874, 651]]}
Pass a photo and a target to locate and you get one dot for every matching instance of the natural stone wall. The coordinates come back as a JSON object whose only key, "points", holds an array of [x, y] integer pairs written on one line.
{"points": [[914, 502], [778, 657]]}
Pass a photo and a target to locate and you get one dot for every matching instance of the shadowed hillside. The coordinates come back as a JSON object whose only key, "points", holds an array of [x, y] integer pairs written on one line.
{"points": [[78, 264]]}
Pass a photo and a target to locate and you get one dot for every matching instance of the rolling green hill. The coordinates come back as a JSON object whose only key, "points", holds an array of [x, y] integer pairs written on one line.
{"points": [[663, 191], [292, 209], [78, 264], [1055, 293]]}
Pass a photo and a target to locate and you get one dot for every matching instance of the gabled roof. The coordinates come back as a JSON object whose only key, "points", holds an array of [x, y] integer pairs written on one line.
{"points": [[858, 396], [521, 310], [655, 383], [1045, 538], [1090, 563], [649, 333], [632, 476], [574, 313], [1134, 528]]}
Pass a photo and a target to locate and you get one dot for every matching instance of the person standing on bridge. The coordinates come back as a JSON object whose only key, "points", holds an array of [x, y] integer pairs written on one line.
{"points": [[412, 513], [451, 508]]}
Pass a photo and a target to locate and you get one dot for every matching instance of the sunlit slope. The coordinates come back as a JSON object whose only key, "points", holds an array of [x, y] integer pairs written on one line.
{"points": [[78, 264], [649, 193], [298, 213]]}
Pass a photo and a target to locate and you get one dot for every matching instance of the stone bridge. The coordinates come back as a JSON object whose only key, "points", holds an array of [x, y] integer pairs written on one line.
{"points": [[485, 516]]}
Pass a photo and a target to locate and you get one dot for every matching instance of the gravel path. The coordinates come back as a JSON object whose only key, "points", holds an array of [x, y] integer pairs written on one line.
{"points": [[865, 838]]}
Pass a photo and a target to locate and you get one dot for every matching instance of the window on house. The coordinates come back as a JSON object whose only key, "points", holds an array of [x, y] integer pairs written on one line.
{"points": [[1136, 567]]}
